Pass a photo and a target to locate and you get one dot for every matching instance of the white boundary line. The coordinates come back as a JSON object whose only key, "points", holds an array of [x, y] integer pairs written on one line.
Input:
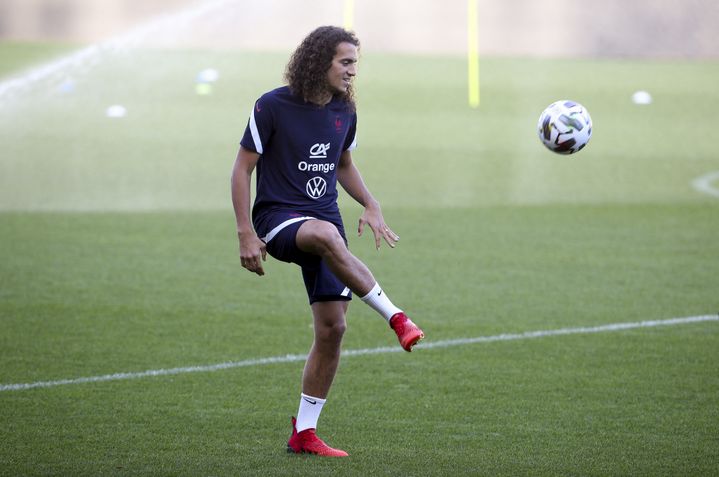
{"points": [[704, 183], [291, 358]]}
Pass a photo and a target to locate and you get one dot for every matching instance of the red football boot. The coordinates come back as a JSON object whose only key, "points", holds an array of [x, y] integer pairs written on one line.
{"points": [[307, 442], [407, 332]]}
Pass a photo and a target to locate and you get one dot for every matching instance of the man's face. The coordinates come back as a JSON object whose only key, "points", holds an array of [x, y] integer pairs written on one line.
{"points": [[343, 69]]}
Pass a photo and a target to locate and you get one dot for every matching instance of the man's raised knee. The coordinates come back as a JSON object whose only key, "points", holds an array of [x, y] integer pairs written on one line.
{"points": [[320, 237]]}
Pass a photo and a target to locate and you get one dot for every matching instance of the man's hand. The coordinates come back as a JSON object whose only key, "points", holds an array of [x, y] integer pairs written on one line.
{"points": [[372, 216], [252, 249]]}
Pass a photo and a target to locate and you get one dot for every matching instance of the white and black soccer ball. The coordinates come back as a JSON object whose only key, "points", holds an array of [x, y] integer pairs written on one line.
{"points": [[565, 127]]}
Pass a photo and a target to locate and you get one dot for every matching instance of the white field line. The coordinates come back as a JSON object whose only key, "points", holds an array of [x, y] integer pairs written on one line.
{"points": [[93, 53], [291, 358], [704, 183]]}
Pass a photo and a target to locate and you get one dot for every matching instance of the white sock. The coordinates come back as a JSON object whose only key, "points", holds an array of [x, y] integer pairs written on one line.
{"points": [[309, 412], [378, 300]]}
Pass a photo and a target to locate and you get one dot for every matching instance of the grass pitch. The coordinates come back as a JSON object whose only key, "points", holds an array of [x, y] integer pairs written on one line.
{"points": [[119, 256]]}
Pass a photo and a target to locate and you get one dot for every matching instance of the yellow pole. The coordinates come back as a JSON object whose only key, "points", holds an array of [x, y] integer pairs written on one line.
{"points": [[472, 54], [349, 14]]}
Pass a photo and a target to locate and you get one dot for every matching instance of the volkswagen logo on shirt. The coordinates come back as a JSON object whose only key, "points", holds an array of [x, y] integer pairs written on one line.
{"points": [[316, 187]]}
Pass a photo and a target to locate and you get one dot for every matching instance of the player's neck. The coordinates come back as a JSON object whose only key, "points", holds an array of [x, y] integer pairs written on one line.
{"points": [[322, 99]]}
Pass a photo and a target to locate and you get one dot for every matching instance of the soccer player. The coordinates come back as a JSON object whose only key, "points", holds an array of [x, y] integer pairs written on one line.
{"points": [[300, 139]]}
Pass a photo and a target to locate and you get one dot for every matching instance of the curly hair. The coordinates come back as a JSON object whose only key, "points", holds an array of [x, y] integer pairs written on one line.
{"points": [[306, 72]]}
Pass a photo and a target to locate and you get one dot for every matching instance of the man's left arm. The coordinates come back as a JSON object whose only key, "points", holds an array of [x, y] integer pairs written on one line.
{"points": [[351, 180]]}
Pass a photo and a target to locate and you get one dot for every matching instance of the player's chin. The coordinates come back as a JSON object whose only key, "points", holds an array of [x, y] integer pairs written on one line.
{"points": [[342, 88]]}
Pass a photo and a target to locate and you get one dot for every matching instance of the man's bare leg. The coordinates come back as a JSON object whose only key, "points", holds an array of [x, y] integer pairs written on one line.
{"points": [[320, 370], [324, 357], [322, 238]]}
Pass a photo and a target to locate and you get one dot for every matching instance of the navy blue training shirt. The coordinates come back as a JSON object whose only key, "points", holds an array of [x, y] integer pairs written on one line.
{"points": [[300, 144]]}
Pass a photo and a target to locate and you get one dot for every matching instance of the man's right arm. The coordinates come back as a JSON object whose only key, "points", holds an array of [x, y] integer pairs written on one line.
{"points": [[252, 249]]}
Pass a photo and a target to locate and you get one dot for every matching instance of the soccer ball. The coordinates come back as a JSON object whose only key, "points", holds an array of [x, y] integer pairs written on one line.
{"points": [[565, 127]]}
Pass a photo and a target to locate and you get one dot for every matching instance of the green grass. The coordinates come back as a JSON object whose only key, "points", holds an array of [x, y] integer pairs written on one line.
{"points": [[119, 255], [16, 58]]}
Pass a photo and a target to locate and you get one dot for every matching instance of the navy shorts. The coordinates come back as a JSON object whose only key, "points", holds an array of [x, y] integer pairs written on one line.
{"points": [[279, 232]]}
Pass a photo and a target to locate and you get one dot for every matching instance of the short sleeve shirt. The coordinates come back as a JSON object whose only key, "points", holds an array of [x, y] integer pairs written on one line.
{"points": [[300, 145]]}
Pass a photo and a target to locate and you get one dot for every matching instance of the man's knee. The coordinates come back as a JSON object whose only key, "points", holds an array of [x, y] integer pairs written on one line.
{"points": [[331, 332], [328, 335], [320, 237], [329, 319]]}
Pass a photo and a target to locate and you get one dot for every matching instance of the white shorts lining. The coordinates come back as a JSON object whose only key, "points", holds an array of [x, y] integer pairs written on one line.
{"points": [[281, 226]]}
